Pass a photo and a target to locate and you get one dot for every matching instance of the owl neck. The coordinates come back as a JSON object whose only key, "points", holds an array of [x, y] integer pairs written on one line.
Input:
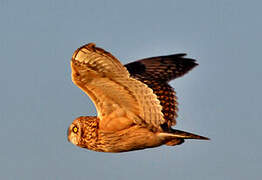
{"points": [[89, 132]]}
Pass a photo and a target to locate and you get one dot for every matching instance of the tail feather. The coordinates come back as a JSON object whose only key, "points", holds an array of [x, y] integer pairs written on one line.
{"points": [[186, 135], [177, 134]]}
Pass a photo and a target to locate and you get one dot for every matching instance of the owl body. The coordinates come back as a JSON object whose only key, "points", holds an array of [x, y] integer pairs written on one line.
{"points": [[135, 137], [136, 105]]}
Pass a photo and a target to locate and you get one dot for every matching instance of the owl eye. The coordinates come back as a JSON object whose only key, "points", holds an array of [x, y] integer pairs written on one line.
{"points": [[75, 129]]}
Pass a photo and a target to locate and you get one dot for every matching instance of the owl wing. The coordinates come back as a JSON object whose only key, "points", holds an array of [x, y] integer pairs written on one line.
{"points": [[162, 68], [117, 96], [156, 72]]}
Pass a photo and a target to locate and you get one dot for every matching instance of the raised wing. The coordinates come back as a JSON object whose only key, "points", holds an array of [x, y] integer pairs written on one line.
{"points": [[118, 97], [162, 68], [156, 72]]}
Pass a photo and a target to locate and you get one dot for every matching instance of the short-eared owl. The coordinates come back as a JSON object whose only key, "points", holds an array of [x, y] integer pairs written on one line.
{"points": [[136, 106]]}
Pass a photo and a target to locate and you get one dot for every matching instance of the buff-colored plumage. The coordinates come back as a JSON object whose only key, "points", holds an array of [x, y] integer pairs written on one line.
{"points": [[135, 111]]}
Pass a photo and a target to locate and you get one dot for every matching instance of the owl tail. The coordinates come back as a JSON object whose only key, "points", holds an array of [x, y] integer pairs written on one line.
{"points": [[176, 137], [186, 135]]}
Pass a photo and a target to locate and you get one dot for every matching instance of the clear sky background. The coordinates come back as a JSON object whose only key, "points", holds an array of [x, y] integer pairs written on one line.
{"points": [[221, 98]]}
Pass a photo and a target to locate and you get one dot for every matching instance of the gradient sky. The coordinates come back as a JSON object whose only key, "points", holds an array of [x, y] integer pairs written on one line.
{"points": [[221, 98]]}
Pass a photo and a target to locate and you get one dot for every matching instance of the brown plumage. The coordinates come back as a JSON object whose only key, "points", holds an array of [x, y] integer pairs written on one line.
{"points": [[136, 106]]}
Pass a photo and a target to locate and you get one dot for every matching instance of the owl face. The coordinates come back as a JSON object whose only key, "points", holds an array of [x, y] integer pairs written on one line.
{"points": [[83, 132], [74, 132]]}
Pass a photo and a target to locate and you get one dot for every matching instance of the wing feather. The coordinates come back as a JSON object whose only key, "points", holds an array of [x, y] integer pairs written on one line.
{"points": [[156, 72], [108, 83]]}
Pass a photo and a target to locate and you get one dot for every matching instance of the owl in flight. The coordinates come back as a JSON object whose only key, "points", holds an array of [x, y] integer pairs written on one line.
{"points": [[135, 104]]}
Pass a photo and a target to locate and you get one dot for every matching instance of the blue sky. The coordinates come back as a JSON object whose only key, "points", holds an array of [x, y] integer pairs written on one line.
{"points": [[220, 98]]}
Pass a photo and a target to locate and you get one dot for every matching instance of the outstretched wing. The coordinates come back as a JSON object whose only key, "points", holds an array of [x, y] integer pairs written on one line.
{"points": [[156, 72], [117, 96]]}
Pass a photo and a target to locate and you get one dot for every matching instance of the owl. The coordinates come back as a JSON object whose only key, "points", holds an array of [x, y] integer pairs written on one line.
{"points": [[136, 107]]}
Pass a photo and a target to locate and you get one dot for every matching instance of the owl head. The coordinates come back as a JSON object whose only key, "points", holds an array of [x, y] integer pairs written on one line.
{"points": [[82, 132]]}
